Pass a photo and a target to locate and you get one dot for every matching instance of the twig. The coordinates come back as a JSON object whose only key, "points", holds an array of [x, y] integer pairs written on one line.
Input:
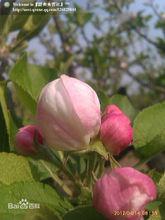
{"points": [[146, 38], [147, 85], [136, 30], [63, 38]]}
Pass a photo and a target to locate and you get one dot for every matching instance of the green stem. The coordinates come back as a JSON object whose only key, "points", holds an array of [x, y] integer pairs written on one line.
{"points": [[114, 163], [58, 181], [57, 162]]}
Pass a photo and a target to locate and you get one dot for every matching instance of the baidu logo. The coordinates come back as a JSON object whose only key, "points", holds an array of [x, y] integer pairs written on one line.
{"points": [[23, 204]]}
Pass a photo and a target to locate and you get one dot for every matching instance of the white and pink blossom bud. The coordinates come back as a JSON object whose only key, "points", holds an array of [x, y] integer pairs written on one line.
{"points": [[123, 194], [68, 113], [25, 140], [116, 132]]}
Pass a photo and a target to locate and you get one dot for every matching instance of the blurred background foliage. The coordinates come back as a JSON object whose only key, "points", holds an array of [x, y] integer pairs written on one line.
{"points": [[115, 46]]}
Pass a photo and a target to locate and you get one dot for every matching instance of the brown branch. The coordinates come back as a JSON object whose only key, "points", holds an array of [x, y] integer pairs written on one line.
{"points": [[145, 37], [145, 85], [65, 44], [63, 38], [136, 30]]}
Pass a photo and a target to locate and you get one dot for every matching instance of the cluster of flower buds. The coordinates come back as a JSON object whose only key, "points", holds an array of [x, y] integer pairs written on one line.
{"points": [[69, 116]]}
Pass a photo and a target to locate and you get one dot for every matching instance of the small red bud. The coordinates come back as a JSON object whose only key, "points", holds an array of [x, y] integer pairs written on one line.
{"points": [[116, 132], [24, 140]]}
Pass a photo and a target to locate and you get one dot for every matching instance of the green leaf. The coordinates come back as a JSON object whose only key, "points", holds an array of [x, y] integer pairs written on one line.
{"points": [[153, 205], [124, 104], [120, 100], [161, 212], [10, 126], [14, 22], [25, 99], [149, 131], [161, 45], [41, 169], [155, 175], [98, 147], [158, 212], [161, 188], [14, 168], [81, 18], [81, 213], [4, 142], [17, 183], [33, 192], [2, 22], [39, 76], [43, 213], [33, 26], [94, 146], [104, 99], [17, 21], [160, 24], [29, 80]]}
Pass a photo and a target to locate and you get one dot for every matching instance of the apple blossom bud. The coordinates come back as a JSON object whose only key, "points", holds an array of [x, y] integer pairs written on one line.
{"points": [[124, 65], [123, 190], [116, 132], [24, 140], [68, 113]]}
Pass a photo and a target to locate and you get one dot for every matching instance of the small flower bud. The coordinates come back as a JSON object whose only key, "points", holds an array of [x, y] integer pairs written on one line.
{"points": [[116, 132], [124, 65], [123, 193], [68, 113], [24, 140]]}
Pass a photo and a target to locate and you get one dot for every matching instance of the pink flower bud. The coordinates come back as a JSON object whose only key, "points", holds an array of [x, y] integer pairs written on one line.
{"points": [[24, 141], [123, 190], [116, 132], [68, 113]]}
